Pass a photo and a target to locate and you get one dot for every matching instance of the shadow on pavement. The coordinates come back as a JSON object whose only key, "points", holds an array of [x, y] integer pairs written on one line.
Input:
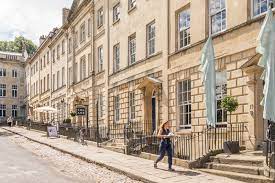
{"points": [[181, 172], [6, 134]]}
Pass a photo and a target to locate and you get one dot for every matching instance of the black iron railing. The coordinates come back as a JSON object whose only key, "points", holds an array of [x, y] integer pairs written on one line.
{"points": [[141, 137], [269, 151], [192, 146]]}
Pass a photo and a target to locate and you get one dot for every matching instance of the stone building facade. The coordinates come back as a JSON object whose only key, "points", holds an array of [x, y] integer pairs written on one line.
{"points": [[12, 86], [139, 61]]}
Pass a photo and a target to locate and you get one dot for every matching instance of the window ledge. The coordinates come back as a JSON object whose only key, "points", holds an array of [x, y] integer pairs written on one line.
{"points": [[132, 9], [116, 21], [220, 32], [184, 131], [99, 26]]}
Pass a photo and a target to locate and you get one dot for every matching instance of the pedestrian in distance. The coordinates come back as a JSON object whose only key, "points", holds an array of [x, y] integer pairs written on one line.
{"points": [[82, 135], [165, 135], [9, 121]]}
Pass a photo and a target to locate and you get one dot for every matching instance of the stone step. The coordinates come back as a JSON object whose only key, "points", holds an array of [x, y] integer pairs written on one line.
{"points": [[236, 161], [253, 170], [239, 176]]}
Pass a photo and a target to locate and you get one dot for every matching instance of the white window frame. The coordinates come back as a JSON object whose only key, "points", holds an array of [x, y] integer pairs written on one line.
{"points": [[58, 79], [14, 91], [3, 72], [100, 17], [184, 103], [58, 52], [82, 32], [261, 12], [132, 4], [63, 76], [53, 55], [63, 46], [184, 36], [3, 90], [151, 38], [132, 49], [53, 82], [216, 13], [116, 108], [221, 92], [70, 45], [48, 81], [14, 73], [116, 57], [3, 110], [14, 111], [83, 67], [100, 107], [89, 27], [132, 106], [100, 58], [116, 12]]}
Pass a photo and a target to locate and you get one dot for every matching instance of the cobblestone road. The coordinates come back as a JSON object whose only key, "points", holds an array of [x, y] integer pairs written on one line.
{"points": [[24, 161]]}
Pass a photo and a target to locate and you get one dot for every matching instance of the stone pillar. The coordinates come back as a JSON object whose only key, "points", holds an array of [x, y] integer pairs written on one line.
{"points": [[255, 119]]}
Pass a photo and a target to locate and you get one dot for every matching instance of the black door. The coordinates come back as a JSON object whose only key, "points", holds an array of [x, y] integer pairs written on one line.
{"points": [[153, 114]]}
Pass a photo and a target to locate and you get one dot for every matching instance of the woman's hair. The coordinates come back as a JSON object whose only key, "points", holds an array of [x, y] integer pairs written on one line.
{"points": [[162, 124]]}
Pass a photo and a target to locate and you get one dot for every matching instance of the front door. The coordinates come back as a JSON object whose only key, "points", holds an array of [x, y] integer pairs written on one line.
{"points": [[153, 113]]}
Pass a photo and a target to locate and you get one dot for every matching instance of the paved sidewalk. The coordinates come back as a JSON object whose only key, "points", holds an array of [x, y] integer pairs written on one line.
{"points": [[134, 167]]}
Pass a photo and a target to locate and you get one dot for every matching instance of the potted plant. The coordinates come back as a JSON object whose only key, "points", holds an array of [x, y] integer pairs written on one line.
{"points": [[230, 104], [73, 114], [67, 122]]}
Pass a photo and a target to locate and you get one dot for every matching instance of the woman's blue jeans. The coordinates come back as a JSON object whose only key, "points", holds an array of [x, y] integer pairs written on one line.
{"points": [[163, 147]]}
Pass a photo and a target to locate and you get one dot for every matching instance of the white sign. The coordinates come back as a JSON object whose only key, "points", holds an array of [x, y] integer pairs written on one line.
{"points": [[52, 131]]}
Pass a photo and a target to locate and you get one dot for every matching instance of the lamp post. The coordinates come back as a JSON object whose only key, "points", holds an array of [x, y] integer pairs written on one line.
{"points": [[62, 113]]}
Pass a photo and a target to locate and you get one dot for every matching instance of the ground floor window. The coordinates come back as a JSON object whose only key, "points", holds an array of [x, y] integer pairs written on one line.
{"points": [[100, 107], [2, 110], [132, 111], [116, 108], [221, 91], [184, 103], [14, 111]]}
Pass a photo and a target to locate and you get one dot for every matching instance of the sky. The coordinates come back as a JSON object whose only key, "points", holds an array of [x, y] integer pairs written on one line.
{"points": [[30, 18]]}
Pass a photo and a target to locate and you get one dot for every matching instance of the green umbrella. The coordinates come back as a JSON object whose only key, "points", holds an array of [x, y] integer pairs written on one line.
{"points": [[209, 80], [266, 47]]}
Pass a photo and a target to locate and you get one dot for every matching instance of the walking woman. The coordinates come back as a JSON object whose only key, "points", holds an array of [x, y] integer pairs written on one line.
{"points": [[165, 144]]}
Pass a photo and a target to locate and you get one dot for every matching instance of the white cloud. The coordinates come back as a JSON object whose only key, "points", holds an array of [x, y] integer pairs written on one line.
{"points": [[30, 18]]}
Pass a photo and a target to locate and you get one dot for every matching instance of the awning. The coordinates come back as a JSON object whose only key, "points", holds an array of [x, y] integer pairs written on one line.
{"points": [[46, 109], [149, 81]]}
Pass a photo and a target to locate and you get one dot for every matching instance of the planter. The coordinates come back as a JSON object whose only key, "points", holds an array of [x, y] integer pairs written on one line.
{"points": [[231, 147]]}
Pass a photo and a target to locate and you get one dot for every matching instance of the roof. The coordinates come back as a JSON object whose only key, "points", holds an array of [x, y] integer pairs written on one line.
{"points": [[11, 53]]}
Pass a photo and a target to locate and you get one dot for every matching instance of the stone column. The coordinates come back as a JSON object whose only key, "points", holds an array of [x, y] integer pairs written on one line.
{"points": [[255, 119]]}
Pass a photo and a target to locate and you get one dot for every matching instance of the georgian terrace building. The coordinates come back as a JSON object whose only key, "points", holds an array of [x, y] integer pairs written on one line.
{"points": [[12, 89], [140, 61]]}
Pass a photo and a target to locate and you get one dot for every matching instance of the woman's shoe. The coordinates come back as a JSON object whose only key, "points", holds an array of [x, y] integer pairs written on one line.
{"points": [[155, 165], [171, 169]]}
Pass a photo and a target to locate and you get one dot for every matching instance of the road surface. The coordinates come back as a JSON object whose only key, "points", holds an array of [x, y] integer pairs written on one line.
{"points": [[21, 166]]}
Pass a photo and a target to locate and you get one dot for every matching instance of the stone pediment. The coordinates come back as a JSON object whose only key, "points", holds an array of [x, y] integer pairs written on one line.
{"points": [[253, 61]]}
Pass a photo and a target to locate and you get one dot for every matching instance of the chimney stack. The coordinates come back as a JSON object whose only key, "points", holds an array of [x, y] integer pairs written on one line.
{"points": [[65, 14], [41, 39]]}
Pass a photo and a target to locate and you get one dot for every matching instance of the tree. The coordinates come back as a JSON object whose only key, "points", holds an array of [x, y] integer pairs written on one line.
{"points": [[17, 45], [230, 104]]}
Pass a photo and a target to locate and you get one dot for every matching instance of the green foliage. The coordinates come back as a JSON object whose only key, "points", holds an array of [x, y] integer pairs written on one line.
{"points": [[230, 104], [17, 45], [73, 114], [68, 120]]}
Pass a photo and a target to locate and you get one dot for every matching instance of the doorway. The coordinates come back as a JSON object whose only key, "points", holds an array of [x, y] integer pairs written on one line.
{"points": [[153, 113]]}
